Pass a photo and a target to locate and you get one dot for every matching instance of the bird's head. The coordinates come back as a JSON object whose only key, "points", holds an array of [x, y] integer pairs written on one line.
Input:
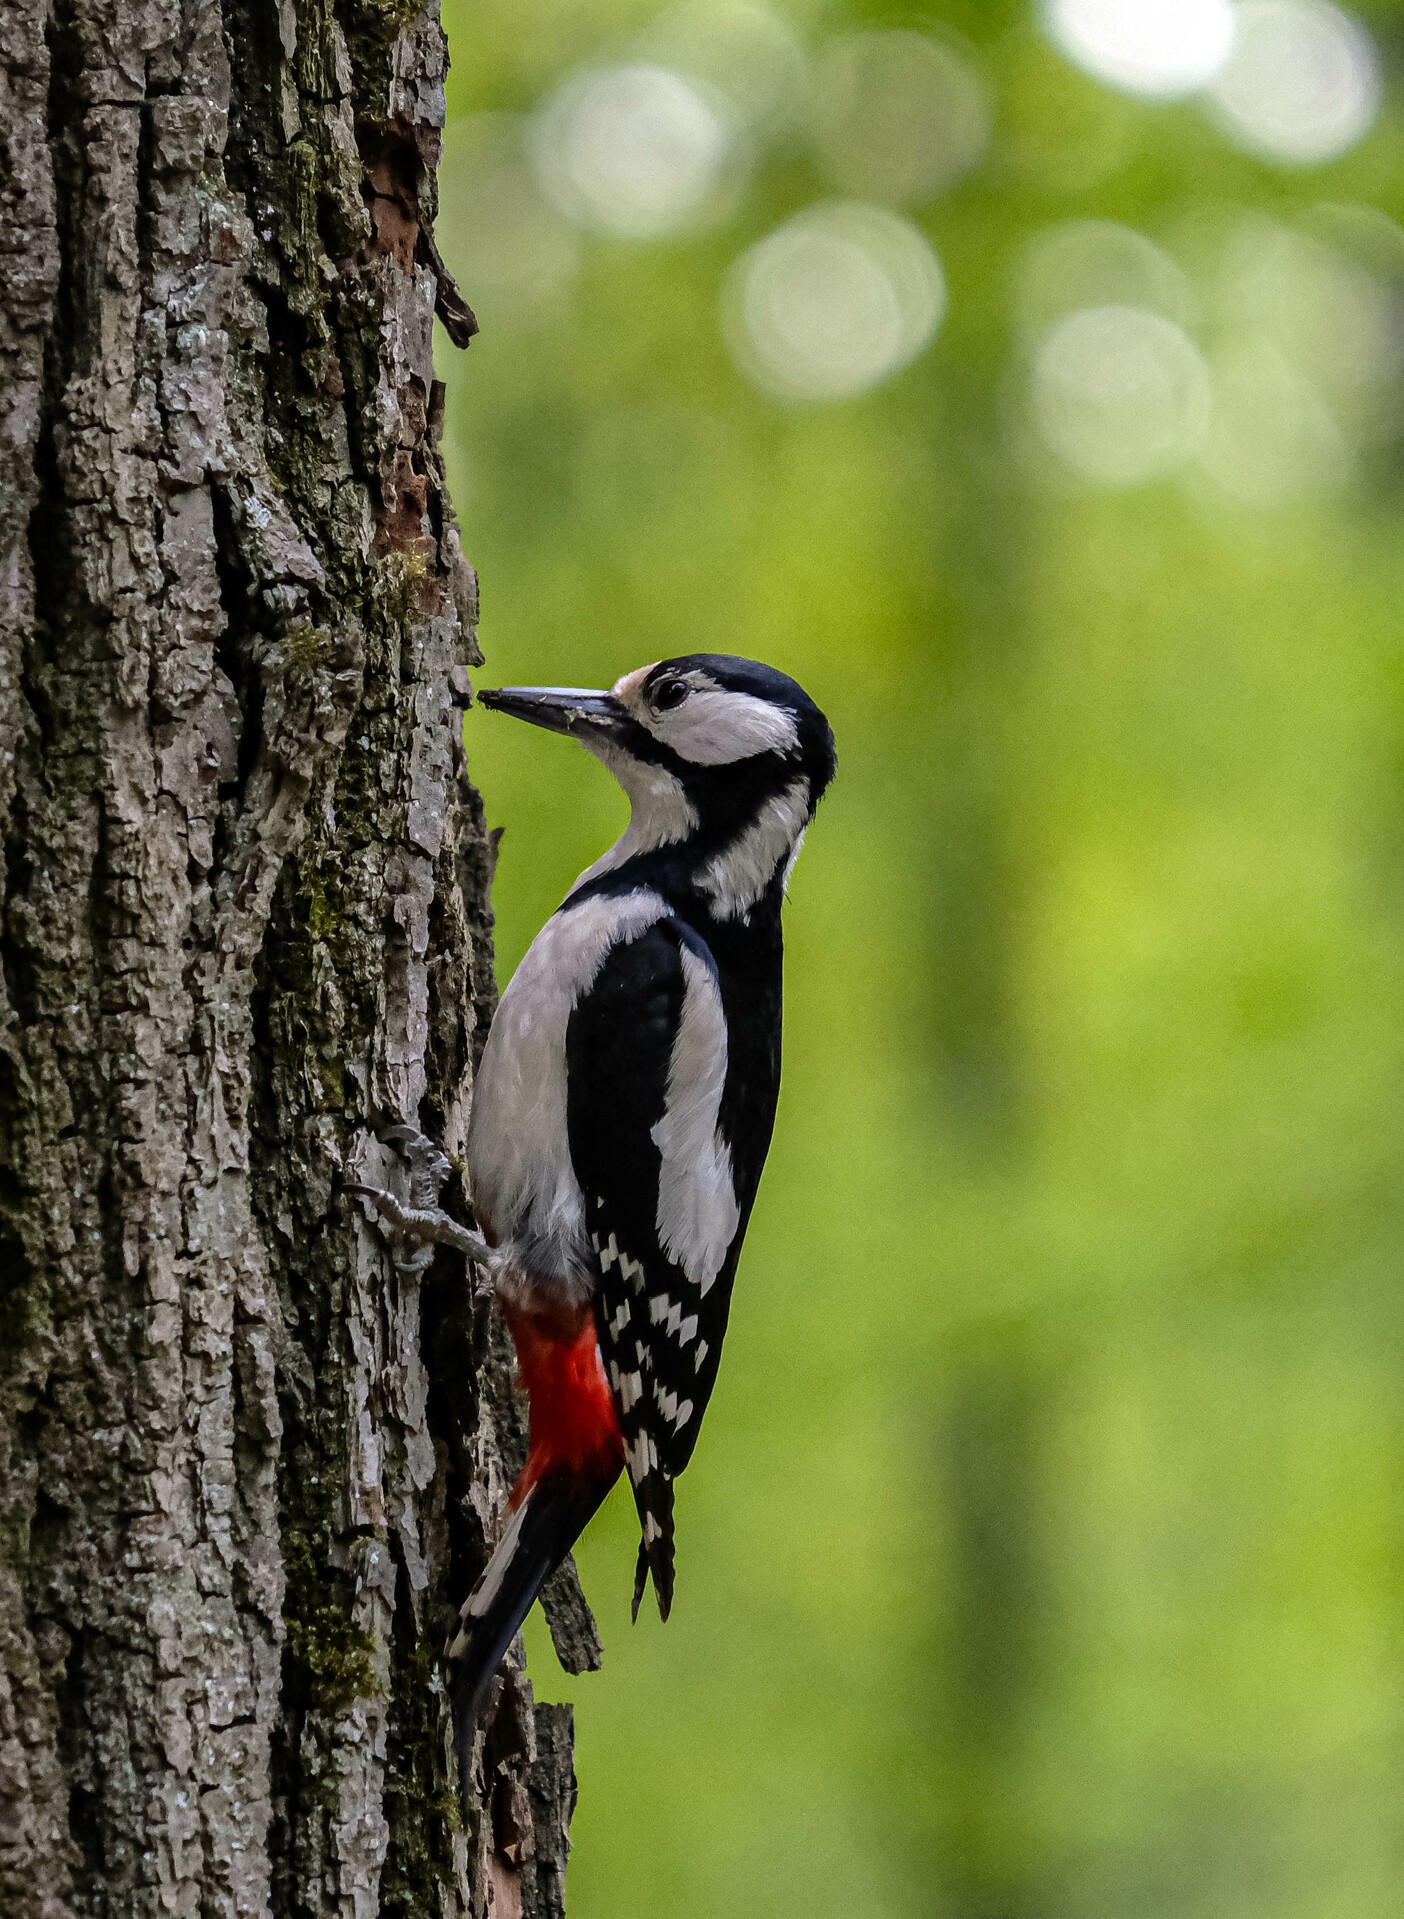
{"points": [[712, 751]]}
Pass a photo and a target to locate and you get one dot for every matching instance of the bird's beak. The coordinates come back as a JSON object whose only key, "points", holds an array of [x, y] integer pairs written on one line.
{"points": [[560, 709]]}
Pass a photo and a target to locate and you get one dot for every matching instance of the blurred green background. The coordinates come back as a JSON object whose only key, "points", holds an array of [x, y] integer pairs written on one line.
{"points": [[1029, 386]]}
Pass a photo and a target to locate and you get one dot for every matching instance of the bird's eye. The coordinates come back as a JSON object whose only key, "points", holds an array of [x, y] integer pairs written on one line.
{"points": [[668, 694]]}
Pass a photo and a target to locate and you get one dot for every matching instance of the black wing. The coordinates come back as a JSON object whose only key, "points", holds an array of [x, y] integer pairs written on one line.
{"points": [[645, 1062]]}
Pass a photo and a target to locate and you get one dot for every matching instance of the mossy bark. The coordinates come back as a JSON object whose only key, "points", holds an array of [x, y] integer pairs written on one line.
{"points": [[246, 1470]]}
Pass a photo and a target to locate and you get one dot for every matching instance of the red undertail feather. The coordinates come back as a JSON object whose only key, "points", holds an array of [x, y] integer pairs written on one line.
{"points": [[575, 1454], [574, 1427]]}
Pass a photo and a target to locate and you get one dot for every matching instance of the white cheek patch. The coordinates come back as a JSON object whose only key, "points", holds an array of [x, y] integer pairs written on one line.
{"points": [[714, 727]]}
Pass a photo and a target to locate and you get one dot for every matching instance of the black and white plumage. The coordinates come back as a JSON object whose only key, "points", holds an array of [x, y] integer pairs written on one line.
{"points": [[624, 1105], [647, 1055]]}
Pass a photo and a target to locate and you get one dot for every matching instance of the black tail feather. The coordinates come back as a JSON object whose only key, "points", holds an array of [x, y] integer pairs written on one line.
{"points": [[653, 1495], [540, 1534]]}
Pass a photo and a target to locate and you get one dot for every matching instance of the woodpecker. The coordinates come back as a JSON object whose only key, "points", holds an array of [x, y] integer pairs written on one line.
{"points": [[624, 1106]]}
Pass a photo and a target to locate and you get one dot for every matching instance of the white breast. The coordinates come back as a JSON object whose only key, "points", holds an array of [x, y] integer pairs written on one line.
{"points": [[524, 1186]]}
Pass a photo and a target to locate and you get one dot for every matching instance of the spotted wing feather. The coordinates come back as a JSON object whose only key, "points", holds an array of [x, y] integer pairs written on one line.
{"points": [[643, 1083]]}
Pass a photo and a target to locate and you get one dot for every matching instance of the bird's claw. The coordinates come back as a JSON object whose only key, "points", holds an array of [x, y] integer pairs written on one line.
{"points": [[416, 1228]]}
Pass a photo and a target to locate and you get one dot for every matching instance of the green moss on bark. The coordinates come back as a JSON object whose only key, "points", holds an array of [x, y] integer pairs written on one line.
{"points": [[328, 1657]]}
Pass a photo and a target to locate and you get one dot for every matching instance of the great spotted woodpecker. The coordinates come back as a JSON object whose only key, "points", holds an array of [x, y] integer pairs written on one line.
{"points": [[624, 1106]]}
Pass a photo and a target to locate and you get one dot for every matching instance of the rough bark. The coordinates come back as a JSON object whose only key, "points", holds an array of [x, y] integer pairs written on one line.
{"points": [[245, 1469]]}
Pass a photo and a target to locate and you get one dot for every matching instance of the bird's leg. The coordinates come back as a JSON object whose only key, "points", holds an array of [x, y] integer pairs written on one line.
{"points": [[414, 1230]]}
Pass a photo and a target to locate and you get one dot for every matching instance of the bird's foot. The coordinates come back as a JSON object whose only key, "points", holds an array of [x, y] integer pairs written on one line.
{"points": [[416, 1228]]}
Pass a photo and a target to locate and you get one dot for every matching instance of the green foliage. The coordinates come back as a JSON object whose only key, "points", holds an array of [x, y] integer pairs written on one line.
{"points": [[1041, 1553]]}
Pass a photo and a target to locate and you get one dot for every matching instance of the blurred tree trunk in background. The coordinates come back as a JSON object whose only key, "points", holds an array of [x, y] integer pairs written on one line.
{"points": [[988, 1858], [982, 540], [988, 1662], [243, 1466], [976, 673], [989, 1648]]}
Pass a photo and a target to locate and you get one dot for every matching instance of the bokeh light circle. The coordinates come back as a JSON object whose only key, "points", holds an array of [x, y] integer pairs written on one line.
{"points": [[526, 258], [1272, 439], [1159, 48], [1094, 263], [742, 50], [1333, 317], [897, 117], [832, 302], [1301, 84], [1121, 395], [634, 151]]}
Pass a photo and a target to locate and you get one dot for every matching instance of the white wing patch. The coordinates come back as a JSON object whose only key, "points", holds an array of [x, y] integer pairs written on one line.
{"points": [[738, 875], [697, 1210], [518, 1148]]}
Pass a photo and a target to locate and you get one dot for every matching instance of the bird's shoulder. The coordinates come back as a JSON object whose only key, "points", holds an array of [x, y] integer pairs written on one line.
{"points": [[623, 1046]]}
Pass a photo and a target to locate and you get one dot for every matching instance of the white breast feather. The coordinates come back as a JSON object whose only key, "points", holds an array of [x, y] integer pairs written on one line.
{"points": [[518, 1147], [697, 1210], [660, 813]]}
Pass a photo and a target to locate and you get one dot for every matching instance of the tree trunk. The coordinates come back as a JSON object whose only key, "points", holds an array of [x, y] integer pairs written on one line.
{"points": [[246, 1473]]}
